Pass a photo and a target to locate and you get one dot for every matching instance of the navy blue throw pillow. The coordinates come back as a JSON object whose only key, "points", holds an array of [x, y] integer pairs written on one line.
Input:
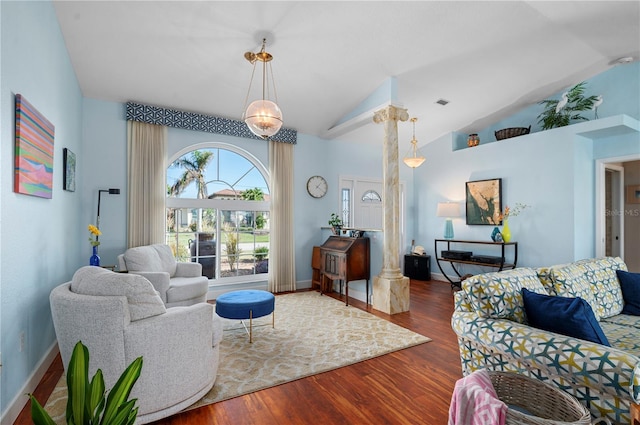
{"points": [[630, 284], [567, 316]]}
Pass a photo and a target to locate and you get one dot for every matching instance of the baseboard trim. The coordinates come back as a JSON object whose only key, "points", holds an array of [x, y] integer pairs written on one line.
{"points": [[12, 412]]}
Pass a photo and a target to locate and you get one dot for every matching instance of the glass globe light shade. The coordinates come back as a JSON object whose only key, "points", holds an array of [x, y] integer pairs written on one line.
{"points": [[263, 117], [414, 162], [413, 158]]}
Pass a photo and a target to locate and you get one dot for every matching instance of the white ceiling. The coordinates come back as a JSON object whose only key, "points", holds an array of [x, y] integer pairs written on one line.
{"points": [[489, 59]]}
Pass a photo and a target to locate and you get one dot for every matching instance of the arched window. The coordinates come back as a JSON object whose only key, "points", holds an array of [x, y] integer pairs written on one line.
{"points": [[218, 211]]}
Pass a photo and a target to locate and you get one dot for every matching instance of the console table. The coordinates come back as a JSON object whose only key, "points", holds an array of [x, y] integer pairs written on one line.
{"points": [[458, 257]]}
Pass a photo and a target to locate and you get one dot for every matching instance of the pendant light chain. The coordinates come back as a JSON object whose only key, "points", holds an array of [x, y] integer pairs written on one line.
{"points": [[246, 99], [262, 116]]}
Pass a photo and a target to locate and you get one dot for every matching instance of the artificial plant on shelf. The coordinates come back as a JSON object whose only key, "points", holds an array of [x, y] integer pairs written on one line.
{"points": [[336, 223], [86, 402], [559, 113]]}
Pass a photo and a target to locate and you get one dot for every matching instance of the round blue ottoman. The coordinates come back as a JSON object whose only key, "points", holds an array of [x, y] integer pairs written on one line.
{"points": [[246, 304]]}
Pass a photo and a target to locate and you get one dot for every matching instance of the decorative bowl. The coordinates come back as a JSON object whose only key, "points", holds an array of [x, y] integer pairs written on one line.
{"points": [[507, 133]]}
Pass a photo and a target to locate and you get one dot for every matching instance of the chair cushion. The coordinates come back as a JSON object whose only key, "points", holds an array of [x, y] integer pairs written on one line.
{"points": [[142, 298], [187, 288], [498, 295], [567, 316], [151, 258], [630, 284]]}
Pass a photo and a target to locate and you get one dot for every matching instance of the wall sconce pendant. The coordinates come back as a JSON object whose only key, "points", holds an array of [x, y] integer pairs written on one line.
{"points": [[413, 158], [262, 116]]}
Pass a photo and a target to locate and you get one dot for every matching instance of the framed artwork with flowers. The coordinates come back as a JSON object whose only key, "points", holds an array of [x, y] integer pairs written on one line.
{"points": [[69, 175], [484, 202]]}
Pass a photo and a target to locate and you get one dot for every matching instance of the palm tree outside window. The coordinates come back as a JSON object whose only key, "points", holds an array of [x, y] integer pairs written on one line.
{"points": [[218, 212]]}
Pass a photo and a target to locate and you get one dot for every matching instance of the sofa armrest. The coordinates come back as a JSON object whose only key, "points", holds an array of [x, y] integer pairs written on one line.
{"points": [[584, 363], [122, 265], [159, 280], [176, 347], [185, 269]]}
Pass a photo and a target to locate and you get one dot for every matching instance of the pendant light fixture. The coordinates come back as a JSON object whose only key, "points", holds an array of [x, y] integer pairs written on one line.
{"points": [[413, 158], [262, 116]]}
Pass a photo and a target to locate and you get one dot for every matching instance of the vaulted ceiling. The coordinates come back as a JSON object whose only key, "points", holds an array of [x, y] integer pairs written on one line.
{"points": [[488, 59]]}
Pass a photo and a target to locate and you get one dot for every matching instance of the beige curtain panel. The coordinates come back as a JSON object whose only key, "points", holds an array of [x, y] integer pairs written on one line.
{"points": [[146, 164], [282, 258]]}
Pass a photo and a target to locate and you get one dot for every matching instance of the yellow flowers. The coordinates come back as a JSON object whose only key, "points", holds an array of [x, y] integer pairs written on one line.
{"points": [[94, 232]]}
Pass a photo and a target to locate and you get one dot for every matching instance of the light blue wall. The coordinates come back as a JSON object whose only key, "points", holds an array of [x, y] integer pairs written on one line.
{"points": [[553, 171], [43, 240], [105, 147]]}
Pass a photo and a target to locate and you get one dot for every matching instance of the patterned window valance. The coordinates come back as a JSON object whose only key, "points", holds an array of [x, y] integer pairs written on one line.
{"points": [[200, 122]]}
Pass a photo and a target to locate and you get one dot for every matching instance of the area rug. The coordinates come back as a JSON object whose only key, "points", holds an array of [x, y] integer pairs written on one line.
{"points": [[312, 334]]}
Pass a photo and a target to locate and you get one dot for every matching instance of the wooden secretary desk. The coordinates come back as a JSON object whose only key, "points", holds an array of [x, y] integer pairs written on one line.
{"points": [[345, 259]]}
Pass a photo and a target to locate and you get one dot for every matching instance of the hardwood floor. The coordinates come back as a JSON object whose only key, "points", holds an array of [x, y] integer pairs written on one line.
{"points": [[410, 386]]}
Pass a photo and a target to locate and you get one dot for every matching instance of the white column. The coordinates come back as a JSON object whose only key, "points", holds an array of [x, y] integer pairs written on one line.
{"points": [[391, 288]]}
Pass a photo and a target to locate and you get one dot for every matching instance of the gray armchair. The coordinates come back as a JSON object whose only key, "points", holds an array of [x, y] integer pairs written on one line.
{"points": [[178, 283], [120, 317]]}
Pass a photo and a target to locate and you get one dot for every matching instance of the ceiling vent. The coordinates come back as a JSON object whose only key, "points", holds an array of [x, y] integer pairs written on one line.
{"points": [[442, 102]]}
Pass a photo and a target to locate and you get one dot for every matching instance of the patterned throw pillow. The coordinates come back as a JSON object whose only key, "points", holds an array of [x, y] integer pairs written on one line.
{"points": [[570, 280], [498, 295], [601, 273]]}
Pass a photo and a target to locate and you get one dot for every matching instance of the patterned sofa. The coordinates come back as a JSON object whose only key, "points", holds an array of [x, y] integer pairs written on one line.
{"points": [[491, 325]]}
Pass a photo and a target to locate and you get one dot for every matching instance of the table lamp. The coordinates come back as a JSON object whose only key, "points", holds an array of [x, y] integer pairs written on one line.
{"points": [[448, 210]]}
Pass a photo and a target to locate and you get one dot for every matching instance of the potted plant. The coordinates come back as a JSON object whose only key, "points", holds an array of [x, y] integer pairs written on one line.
{"points": [[86, 401], [336, 223], [559, 113]]}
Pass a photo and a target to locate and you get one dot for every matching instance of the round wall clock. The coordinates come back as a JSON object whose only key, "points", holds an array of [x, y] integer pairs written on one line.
{"points": [[317, 186]]}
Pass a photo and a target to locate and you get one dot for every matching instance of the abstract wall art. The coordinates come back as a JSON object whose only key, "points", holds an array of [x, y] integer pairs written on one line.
{"points": [[34, 151]]}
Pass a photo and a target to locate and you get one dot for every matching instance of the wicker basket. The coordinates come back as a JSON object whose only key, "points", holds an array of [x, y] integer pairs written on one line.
{"points": [[507, 133], [547, 404]]}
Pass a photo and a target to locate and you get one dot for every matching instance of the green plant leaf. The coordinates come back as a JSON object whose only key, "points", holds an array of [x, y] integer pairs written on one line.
{"points": [[38, 415], [123, 413], [77, 384], [121, 390], [96, 397], [132, 417]]}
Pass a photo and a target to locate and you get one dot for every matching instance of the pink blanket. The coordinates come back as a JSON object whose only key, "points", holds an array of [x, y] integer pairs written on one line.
{"points": [[475, 402]]}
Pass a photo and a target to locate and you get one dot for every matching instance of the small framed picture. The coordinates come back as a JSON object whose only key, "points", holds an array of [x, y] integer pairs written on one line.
{"points": [[69, 175], [633, 194], [484, 202]]}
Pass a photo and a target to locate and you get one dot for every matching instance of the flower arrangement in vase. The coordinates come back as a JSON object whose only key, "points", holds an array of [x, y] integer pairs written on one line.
{"points": [[94, 232], [504, 218]]}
